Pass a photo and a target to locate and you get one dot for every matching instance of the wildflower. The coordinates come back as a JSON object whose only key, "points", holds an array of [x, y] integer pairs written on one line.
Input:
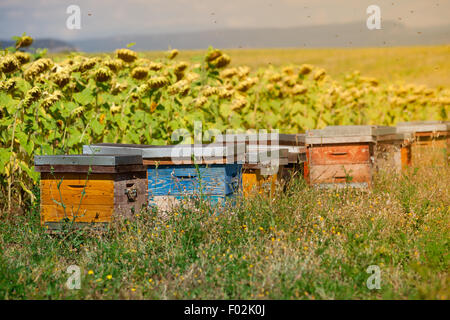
{"points": [[109, 277]]}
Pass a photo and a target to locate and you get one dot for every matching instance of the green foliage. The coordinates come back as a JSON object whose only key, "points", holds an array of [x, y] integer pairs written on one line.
{"points": [[54, 107]]}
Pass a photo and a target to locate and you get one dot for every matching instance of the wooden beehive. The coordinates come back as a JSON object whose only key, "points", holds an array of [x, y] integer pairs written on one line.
{"points": [[429, 141], [183, 174], [344, 155], [271, 159], [87, 189], [392, 150]]}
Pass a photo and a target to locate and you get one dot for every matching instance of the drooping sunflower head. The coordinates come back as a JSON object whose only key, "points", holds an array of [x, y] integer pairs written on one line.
{"points": [[139, 73], [158, 82], [9, 64], [114, 64], [126, 55], [102, 74], [23, 42], [23, 57], [305, 69], [172, 54]]}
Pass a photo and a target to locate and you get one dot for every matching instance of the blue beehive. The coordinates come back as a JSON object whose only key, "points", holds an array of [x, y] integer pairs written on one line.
{"points": [[185, 174], [215, 183]]}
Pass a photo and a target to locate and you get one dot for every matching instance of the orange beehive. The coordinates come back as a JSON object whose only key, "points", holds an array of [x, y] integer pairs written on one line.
{"points": [[349, 155], [86, 189], [429, 141]]}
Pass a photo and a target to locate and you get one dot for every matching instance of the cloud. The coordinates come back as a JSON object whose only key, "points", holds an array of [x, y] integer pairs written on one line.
{"points": [[47, 18]]}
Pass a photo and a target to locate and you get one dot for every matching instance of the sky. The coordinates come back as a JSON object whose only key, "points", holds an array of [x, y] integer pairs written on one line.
{"points": [[103, 18]]}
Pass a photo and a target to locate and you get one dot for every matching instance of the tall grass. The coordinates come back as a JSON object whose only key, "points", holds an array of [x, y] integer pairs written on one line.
{"points": [[305, 243]]}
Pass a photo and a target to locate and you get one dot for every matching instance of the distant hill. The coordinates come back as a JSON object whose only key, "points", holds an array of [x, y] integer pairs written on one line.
{"points": [[53, 45], [336, 35]]}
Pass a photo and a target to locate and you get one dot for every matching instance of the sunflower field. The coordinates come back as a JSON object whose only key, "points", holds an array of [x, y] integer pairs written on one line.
{"points": [[55, 106]]}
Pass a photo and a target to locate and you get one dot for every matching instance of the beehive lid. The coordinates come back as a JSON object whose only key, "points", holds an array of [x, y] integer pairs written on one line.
{"points": [[88, 160], [348, 134], [260, 138], [423, 126], [114, 148], [294, 149], [182, 151], [279, 156]]}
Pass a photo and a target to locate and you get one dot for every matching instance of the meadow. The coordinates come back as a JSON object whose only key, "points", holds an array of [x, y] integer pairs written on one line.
{"points": [[304, 243], [422, 65]]}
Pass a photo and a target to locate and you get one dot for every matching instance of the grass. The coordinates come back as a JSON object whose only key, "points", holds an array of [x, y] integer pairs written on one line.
{"points": [[306, 243]]}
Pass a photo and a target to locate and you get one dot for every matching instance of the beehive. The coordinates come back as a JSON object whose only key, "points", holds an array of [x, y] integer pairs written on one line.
{"points": [[87, 189], [271, 159], [349, 155], [430, 141], [185, 173]]}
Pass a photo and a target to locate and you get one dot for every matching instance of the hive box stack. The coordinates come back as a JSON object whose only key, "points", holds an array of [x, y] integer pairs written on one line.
{"points": [[348, 155], [182, 174], [430, 141], [392, 150], [88, 189], [270, 159]]}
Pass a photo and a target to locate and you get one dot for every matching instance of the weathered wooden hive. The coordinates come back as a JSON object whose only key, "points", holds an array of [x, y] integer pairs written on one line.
{"points": [[271, 159], [430, 141], [349, 155], [185, 173], [88, 189]]}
